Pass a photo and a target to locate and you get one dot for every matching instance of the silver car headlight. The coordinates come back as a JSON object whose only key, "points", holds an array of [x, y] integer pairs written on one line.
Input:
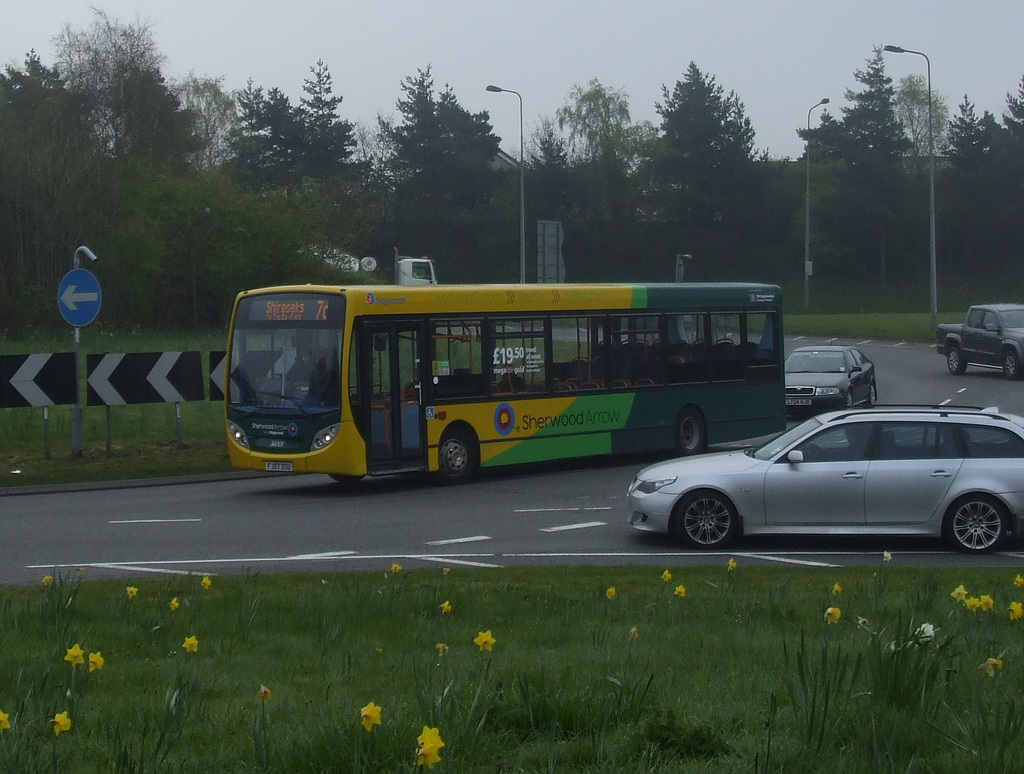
{"points": [[238, 435], [827, 391], [324, 438], [653, 485]]}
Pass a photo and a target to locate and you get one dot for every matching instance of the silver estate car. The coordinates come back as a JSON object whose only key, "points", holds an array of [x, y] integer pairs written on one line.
{"points": [[952, 472]]}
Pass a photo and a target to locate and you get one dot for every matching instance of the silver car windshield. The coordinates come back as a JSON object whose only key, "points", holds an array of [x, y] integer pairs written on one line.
{"points": [[786, 439]]}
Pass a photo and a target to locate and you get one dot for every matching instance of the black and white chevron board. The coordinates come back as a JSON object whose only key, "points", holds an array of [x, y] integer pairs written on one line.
{"points": [[42, 379], [144, 377]]}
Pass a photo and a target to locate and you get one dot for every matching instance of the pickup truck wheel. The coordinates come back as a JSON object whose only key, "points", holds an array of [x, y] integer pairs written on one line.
{"points": [[1011, 365], [955, 361]]}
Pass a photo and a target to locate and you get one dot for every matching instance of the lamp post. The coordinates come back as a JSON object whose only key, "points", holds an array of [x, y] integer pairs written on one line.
{"points": [[933, 284], [807, 214], [522, 185]]}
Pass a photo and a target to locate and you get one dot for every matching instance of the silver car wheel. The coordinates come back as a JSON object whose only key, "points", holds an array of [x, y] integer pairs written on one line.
{"points": [[976, 525], [707, 520]]}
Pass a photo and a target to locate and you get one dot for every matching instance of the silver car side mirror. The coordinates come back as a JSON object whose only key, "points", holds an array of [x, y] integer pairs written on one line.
{"points": [[795, 456]]}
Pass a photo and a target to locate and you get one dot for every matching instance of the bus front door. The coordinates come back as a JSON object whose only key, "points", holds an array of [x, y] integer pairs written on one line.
{"points": [[397, 437]]}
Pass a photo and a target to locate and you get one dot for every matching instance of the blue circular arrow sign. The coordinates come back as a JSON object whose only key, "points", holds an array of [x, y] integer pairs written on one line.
{"points": [[79, 297]]}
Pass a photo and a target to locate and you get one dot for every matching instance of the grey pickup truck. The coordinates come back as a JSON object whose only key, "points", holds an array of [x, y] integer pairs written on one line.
{"points": [[992, 335]]}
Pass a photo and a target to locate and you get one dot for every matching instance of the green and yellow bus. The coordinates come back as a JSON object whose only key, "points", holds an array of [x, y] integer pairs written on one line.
{"points": [[448, 379]]}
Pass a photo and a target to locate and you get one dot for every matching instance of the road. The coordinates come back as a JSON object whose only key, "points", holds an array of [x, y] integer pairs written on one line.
{"points": [[568, 514]]}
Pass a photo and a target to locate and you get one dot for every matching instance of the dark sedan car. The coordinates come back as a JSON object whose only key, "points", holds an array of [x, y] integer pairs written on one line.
{"points": [[828, 377]]}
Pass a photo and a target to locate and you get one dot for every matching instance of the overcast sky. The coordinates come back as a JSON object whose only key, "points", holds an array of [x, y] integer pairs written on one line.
{"points": [[779, 57]]}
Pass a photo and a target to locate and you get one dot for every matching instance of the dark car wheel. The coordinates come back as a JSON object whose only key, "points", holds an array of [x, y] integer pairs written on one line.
{"points": [[955, 361], [1011, 365], [706, 519], [975, 524], [872, 394]]}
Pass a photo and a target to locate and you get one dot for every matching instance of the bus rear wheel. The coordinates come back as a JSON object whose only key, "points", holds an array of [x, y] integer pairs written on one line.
{"points": [[457, 457], [691, 434]]}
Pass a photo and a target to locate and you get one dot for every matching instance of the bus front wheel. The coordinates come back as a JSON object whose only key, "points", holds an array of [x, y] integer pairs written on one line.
{"points": [[456, 457], [691, 434]]}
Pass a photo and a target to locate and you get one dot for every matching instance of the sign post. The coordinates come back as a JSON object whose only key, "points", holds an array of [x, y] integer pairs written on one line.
{"points": [[78, 299]]}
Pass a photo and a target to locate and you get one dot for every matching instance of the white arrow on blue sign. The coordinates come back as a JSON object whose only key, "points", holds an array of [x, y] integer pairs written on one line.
{"points": [[79, 297]]}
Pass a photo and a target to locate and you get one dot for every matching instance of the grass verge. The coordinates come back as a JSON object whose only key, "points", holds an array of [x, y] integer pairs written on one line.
{"points": [[626, 669]]}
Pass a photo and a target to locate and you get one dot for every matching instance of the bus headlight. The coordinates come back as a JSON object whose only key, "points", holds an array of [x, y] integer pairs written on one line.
{"points": [[238, 435], [324, 438]]}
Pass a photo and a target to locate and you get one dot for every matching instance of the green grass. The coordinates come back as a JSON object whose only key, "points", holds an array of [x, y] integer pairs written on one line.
{"points": [[742, 673]]}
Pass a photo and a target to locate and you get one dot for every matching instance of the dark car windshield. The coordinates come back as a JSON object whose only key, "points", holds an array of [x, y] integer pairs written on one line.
{"points": [[1013, 318], [815, 362]]}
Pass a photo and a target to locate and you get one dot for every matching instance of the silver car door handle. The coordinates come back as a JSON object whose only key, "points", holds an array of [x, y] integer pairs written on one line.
{"points": [[941, 474], [853, 475]]}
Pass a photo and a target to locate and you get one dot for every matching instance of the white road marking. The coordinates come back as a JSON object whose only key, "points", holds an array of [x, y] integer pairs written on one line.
{"points": [[582, 525], [962, 389], [460, 562], [899, 344], [137, 568], [453, 541], [563, 510], [784, 560], [150, 521], [866, 341], [946, 402]]}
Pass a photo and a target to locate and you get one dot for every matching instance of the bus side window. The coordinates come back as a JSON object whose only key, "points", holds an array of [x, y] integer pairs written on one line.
{"points": [[456, 359]]}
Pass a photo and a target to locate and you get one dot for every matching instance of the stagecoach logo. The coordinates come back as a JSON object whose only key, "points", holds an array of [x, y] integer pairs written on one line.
{"points": [[371, 299], [293, 429], [504, 419]]}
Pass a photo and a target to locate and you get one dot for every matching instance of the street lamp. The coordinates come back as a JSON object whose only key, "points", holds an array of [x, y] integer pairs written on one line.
{"points": [[933, 289], [522, 185], [807, 214]]}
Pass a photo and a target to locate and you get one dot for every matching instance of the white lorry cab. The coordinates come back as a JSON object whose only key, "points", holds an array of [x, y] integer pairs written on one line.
{"points": [[414, 271]]}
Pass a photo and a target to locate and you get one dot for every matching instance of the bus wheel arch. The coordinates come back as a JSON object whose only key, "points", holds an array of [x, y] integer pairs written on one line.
{"points": [[691, 431], [458, 454]]}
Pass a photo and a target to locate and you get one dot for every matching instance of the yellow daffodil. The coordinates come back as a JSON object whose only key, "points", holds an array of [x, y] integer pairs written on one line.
{"points": [[986, 602], [447, 571], [61, 723], [634, 633], [832, 615], [206, 582], [370, 715], [96, 661], [886, 556], [5, 723], [264, 693], [47, 580], [991, 665], [446, 606], [379, 651], [837, 589], [441, 648], [1018, 581], [174, 604], [429, 745], [666, 576], [959, 593], [680, 590], [973, 604], [191, 644], [132, 592], [1016, 611], [610, 593], [732, 564], [484, 640], [75, 655], [396, 568]]}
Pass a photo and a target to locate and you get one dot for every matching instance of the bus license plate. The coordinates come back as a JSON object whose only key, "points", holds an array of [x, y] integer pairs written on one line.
{"points": [[789, 402], [279, 467]]}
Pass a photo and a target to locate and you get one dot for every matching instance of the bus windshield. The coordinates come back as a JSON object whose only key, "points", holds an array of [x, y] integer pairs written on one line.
{"points": [[285, 354]]}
